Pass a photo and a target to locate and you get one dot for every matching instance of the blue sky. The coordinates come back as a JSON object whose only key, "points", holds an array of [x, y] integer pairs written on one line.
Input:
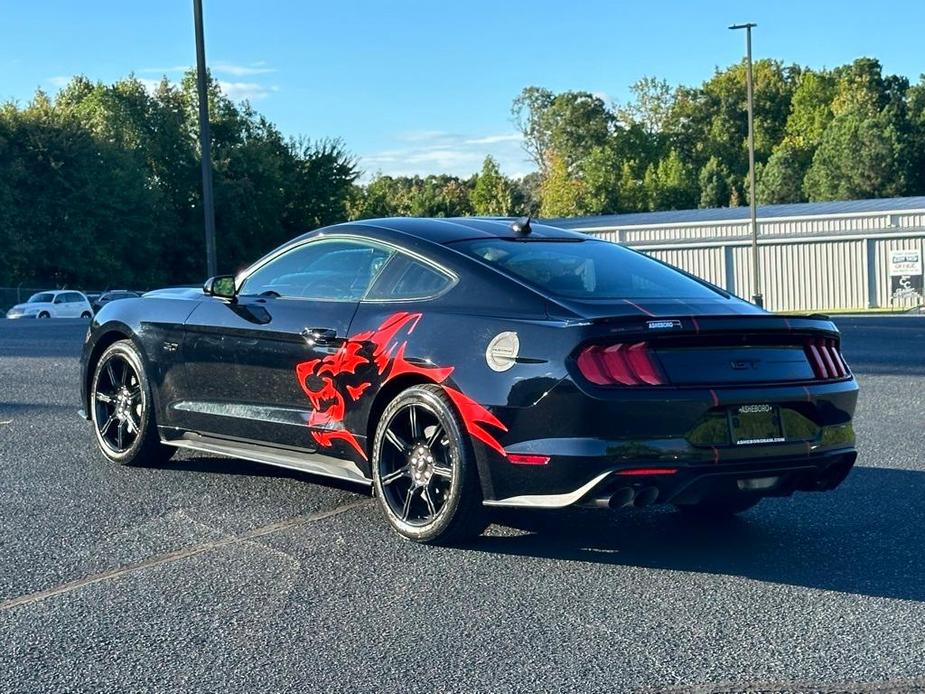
{"points": [[426, 87]]}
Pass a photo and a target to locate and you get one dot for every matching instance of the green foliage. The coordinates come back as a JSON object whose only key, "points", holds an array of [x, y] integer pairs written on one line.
{"points": [[411, 196], [819, 134], [100, 186], [714, 184], [566, 126], [560, 192], [492, 193]]}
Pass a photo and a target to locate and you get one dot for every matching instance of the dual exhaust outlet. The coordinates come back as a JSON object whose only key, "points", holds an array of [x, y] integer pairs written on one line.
{"points": [[625, 497]]}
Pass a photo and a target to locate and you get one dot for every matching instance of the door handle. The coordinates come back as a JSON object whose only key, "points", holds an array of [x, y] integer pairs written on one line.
{"points": [[320, 336]]}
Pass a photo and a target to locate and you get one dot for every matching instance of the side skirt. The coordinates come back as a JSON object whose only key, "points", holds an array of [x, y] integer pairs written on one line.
{"points": [[260, 453]]}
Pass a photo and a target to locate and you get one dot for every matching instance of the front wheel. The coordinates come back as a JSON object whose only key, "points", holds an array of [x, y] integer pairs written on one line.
{"points": [[121, 408], [719, 508], [44, 314], [424, 469]]}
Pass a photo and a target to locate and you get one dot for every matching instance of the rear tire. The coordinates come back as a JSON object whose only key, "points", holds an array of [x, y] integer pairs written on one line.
{"points": [[122, 409], [86, 315], [719, 508], [424, 470]]}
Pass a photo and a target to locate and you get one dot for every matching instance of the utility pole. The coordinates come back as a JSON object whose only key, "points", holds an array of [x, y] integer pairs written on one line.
{"points": [[757, 298], [205, 142]]}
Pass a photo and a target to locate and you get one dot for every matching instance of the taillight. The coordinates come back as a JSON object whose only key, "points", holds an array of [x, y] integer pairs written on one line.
{"points": [[620, 364], [825, 358]]}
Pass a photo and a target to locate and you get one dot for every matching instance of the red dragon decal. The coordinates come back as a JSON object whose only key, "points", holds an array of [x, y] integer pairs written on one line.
{"points": [[383, 351]]}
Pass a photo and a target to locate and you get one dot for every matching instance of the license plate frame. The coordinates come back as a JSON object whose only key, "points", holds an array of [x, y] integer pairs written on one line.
{"points": [[755, 424]]}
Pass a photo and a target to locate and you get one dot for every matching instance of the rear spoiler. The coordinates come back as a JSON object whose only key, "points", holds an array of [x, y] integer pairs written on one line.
{"points": [[694, 324]]}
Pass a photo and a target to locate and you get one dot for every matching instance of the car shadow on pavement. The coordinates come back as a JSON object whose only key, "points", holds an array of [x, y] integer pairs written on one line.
{"points": [[868, 538]]}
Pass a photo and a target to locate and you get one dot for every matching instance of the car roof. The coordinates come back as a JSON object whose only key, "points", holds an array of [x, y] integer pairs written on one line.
{"points": [[447, 230]]}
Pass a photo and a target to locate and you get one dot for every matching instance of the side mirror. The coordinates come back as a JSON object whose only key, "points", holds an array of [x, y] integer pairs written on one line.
{"points": [[221, 286]]}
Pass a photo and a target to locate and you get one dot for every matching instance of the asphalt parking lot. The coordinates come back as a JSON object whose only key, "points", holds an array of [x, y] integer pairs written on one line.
{"points": [[221, 575]]}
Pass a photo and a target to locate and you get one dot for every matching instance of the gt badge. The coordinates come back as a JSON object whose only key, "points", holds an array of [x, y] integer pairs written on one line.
{"points": [[502, 351]]}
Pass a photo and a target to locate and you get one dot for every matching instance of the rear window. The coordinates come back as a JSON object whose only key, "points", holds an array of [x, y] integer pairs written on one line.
{"points": [[586, 269]]}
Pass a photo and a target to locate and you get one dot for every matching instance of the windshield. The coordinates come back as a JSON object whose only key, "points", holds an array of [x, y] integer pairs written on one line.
{"points": [[43, 298], [586, 269]]}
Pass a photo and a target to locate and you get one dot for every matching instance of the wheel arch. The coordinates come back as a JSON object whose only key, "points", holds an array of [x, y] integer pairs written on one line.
{"points": [[102, 343], [389, 392]]}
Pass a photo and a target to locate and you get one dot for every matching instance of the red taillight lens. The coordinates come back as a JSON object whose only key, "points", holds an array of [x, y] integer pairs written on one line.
{"points": [[620, 364], [825, 358], [527, 459], [646, 471]]}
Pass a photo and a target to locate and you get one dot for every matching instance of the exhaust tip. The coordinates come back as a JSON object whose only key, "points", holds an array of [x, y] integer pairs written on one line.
{"points": [[646, 496], [622, 498]]}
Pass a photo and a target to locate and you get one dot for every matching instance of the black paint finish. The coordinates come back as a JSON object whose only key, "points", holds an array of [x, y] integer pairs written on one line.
{"points": [[226, 370]]}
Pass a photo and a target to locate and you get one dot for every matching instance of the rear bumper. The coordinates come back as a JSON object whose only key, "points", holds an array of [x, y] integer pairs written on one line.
{"points": [[635, 486], [587, 439]]}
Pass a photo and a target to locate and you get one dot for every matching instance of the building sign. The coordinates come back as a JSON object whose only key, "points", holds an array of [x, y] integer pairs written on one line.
{"points": [[905, 274]]}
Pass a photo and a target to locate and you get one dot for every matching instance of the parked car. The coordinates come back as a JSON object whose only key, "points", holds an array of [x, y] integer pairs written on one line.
{"points": [[113, 295], [53, 304], [453, 365]]}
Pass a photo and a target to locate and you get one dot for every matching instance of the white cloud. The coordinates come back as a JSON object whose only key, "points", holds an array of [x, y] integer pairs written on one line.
{"points": [[258, 68], [252, 91], [494, 139], [424, 152], [59, 80]]}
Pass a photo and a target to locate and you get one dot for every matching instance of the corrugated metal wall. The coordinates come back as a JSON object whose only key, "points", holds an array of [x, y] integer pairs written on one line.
{"points": [[845, 267]]}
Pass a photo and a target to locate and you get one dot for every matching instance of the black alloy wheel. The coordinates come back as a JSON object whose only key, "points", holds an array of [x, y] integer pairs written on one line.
{"points": [[120, 404], [424, 471]]}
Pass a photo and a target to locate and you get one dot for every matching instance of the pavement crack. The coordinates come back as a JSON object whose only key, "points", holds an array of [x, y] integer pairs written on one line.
{"points": [[185, 553]]}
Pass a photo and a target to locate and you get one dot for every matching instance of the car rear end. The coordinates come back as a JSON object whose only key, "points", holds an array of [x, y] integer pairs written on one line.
{"points": [[671, 390], [683, 408]]}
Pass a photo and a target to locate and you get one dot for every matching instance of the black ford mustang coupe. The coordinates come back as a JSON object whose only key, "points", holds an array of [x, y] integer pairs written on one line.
{"points": [[454, 364]]}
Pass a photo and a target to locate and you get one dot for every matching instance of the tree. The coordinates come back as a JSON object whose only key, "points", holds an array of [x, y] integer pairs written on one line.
{"points": [[108, 177], [714, 184], [781, 179], [560, 192], [492, 192], [566, 126], [669, 185], [866, 148]]}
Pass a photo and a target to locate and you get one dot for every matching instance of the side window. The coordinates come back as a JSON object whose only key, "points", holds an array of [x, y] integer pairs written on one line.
{"points": [[60, 299], [407, 279], [332, 270]]}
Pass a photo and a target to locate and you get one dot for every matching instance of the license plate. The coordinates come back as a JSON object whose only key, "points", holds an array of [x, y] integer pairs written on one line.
{"points": [[755, 424]]}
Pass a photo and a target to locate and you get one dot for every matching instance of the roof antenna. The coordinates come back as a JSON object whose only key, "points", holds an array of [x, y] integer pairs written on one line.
{"points": [[522, 226]]}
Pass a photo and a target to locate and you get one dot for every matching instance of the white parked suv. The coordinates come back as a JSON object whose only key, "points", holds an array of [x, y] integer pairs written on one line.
{"points": [[53, 304]]}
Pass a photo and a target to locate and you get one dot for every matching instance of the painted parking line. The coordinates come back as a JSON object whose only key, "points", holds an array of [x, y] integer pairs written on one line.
{"points": [[185, 553]]}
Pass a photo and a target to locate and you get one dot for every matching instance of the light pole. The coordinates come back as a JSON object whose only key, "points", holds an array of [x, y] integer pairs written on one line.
{"points": [[205, 142], [757, 298]]}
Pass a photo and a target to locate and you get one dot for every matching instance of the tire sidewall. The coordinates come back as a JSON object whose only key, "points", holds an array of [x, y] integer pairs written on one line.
{"points": [[461, 458], [127, 350]]}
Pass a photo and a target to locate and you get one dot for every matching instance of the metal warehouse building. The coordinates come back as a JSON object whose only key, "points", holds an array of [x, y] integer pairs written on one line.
{"points": [[813, 256]]}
